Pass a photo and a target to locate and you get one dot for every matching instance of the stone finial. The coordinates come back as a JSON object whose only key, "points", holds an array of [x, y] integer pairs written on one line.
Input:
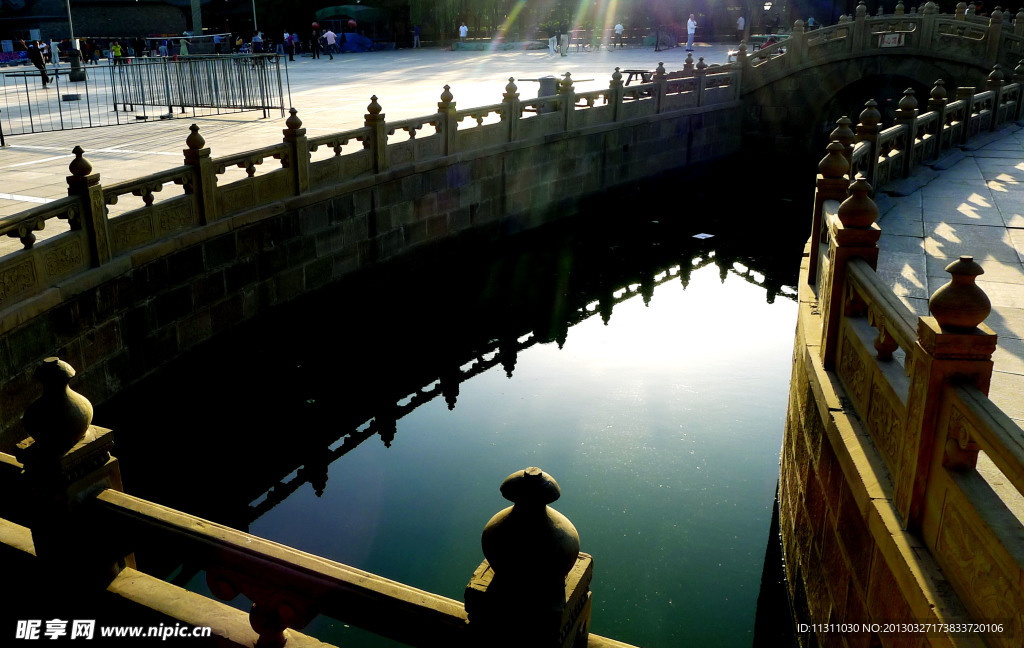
{"points": [[373, 108], [908, 102], [843, 133], [565, 84], [79, 167], [530, 542], [511, 90], [961, 9], [688, 63], [1019, 18], [798, 26], [938, 95], [996, 17], [834, 164], [862, 9], [195, 141], [970, 9], [961, 304], [61, 416], [659, 72], [446, 102], [870, 116], [996, 76], [900, 9], [858, 211], [930, 8], [741, 51], [616, 81], [293, 122], [844, 19], [701, 65]]}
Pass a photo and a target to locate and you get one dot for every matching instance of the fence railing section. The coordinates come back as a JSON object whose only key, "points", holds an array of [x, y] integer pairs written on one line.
{"points": [[118, 219], [951, 460], [142, 89]]}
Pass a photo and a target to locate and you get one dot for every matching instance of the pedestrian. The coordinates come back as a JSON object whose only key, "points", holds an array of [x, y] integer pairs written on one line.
{"points": [[563, 40], [415, 36], [290, 41], [35, 55], [314, 41], [182, 48], [117, 53], [740, 24], [553, 42], [162, 49], [691, 29], [463, 32], [95, 53], [618, 33], [257, 43], [331, 39], [810, 23], [282, 44]]}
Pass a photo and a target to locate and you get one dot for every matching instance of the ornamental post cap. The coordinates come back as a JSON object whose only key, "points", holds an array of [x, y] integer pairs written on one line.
{"points": [[996, 75], [447, 96], [938, 92], [909, 101], [843, 133], [834, 165], [59, 418], [195, 141], [859, 210], [961, 304], [511, 89], [373, 108], [79, 167], [870, 115]]}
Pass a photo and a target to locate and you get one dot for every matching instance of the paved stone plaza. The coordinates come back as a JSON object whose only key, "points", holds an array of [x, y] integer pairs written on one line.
{"points": [[974, 207]]}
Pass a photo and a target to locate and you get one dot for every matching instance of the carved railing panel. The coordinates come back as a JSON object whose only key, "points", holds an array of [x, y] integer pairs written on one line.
{"points": [[39, 265], [480, 127], [153, 220], [272, 184], [339, 157]]}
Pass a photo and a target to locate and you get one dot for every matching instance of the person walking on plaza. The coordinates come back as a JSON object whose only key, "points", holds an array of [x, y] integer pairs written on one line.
{"points": [[691, 29], [332, 42], [35, 54], [463, 32], [740, 24], [283, 44], [257, 43], [290, 40], [415, 36], [618, 34], [314, 41]]}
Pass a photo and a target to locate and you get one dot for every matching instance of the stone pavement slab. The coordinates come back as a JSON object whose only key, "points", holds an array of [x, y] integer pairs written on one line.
{"points": [[973, 207]]}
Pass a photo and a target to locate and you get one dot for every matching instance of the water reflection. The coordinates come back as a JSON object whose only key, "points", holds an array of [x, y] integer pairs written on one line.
{"points": [[658, 409]]}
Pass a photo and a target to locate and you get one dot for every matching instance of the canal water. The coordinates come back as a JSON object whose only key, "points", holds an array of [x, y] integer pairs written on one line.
{"points": [[638, 352]]}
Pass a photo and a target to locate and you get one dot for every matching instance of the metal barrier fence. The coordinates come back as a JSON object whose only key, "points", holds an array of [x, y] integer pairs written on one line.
{"points": [[139, 89]]}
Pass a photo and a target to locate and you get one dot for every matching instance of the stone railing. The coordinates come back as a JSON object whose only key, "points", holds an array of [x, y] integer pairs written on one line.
{"points": [[75, 523], [958, 37], [902, 483], [209, 194]]}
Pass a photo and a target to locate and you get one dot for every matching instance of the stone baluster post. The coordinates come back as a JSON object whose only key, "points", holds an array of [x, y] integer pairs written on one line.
{"points": [[900, 9], [1018, 78], [937, 102], [85, 184], [567, 99], [447, 124], [906, 116], [660, 79], [961, 11], [796, 46], [533, 587], [831, 184], [867, 131], [966, 94], [615, 90], [845, 136], [298, 153], [853, 234], [995, 82], [702, 80], [860, 33], [511, 111], [67, 462], [929, 14], [970, 11], [994, 36], [742, 67], [1018, 23], [203, 184], [952, 343], [688, 64], [378, 140]]}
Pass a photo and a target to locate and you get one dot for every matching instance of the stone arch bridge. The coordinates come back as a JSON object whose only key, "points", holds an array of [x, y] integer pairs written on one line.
{"points": [[806, 80]]}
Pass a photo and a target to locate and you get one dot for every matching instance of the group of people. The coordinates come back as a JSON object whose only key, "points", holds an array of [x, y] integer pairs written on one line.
{"points": [[327, 41]]}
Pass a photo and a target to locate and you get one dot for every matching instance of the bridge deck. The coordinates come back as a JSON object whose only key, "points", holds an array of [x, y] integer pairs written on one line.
{"points": [[976, 206]]}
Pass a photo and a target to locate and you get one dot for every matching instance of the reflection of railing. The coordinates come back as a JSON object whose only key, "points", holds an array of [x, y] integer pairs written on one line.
{"points": [[145, 88], [939, 466]]}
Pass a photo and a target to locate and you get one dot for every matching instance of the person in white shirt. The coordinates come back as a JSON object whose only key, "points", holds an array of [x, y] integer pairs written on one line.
{"points": [[463, 32], [332, 42], [691, 29], [740, 24], [618, 34]]}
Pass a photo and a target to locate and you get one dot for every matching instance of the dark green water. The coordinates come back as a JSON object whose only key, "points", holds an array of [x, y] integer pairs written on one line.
{"points": [[662, 424]]}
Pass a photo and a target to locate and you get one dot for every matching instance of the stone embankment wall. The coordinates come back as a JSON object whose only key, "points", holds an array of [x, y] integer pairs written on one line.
{"points": [[118, 297]]}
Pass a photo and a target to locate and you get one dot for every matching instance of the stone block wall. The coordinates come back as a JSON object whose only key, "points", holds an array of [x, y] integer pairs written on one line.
{"points": [[119, 322]]}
